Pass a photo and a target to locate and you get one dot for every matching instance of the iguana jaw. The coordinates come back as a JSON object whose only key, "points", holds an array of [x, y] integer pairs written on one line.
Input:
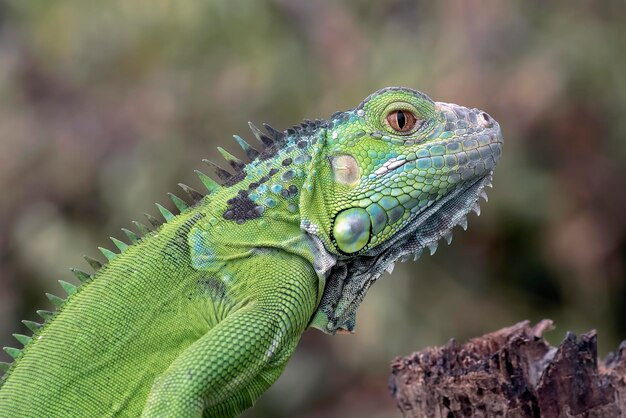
{"points": [[350, 279], [434, 224]]}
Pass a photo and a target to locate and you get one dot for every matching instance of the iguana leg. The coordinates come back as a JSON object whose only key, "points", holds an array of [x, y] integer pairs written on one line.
{"points": [[227, 368], [250, 393]]}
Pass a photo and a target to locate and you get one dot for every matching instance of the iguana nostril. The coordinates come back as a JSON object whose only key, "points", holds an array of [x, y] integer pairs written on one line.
{"points": [[487, 121]]}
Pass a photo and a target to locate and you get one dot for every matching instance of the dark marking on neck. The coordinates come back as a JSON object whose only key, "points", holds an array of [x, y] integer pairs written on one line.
{"points": [[241, 208]]}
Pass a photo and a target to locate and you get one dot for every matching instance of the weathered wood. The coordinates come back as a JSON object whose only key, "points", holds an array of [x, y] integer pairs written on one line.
{"points": [[513, 373]]}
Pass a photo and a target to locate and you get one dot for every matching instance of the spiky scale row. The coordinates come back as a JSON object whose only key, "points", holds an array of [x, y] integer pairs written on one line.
{"points": [[121, 245], [390, 268], [143, 230], [153, 221], [80, 275], [211, 186], [46, 315], [95, 264], [432, 247], [274, 133], [83, 277], [180, 204], [166, 213], [234, 162], [221, 173], [56, 301], [260, 136], [195, 195], [250, 151], [462, 223], [13, 352], [4, 367], [22, 339], [208, 182], [110, 255], [134, 238], [69, 288], [476, 209], [32, 325]]}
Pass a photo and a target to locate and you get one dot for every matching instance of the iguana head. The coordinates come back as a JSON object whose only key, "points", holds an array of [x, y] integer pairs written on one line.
{"points": [[393, 176]]}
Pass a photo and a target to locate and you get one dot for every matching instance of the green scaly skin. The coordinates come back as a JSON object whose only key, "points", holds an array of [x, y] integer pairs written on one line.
{"points": [[200, 316]]}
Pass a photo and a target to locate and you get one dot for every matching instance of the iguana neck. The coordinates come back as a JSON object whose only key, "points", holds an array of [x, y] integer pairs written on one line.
{"points": [[263, 210]]}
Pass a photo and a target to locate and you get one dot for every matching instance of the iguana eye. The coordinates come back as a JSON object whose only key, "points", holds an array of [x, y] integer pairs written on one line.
{"points": [[401, 120]]}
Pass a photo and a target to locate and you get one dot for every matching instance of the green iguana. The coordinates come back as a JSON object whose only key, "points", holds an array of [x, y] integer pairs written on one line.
{"points": [[199, 316]]}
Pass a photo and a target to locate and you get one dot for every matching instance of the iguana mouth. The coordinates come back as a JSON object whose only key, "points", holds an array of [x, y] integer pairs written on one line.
{"points": [[395, 163]]}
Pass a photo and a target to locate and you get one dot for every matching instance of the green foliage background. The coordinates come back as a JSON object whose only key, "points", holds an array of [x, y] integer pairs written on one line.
{"points": [[106, 105]]}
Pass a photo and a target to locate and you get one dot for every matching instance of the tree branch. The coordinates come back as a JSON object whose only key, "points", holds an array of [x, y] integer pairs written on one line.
{"points": [[512, 372]]}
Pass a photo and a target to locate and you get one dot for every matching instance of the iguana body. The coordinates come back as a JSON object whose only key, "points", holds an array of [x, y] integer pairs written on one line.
{"points": [[199, 316]]}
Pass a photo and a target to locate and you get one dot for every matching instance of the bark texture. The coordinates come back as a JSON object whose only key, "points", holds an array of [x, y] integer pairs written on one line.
{"points": [[512, 372]]}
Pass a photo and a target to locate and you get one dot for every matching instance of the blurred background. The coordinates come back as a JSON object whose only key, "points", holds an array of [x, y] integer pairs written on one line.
{"points": [[106, 106]]}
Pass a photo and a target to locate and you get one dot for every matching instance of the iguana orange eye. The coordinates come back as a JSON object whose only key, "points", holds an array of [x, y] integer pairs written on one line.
{"points": [[401, 120]]}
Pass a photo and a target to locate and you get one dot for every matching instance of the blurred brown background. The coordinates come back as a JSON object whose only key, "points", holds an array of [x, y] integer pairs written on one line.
{"points": [[106, 105]]}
